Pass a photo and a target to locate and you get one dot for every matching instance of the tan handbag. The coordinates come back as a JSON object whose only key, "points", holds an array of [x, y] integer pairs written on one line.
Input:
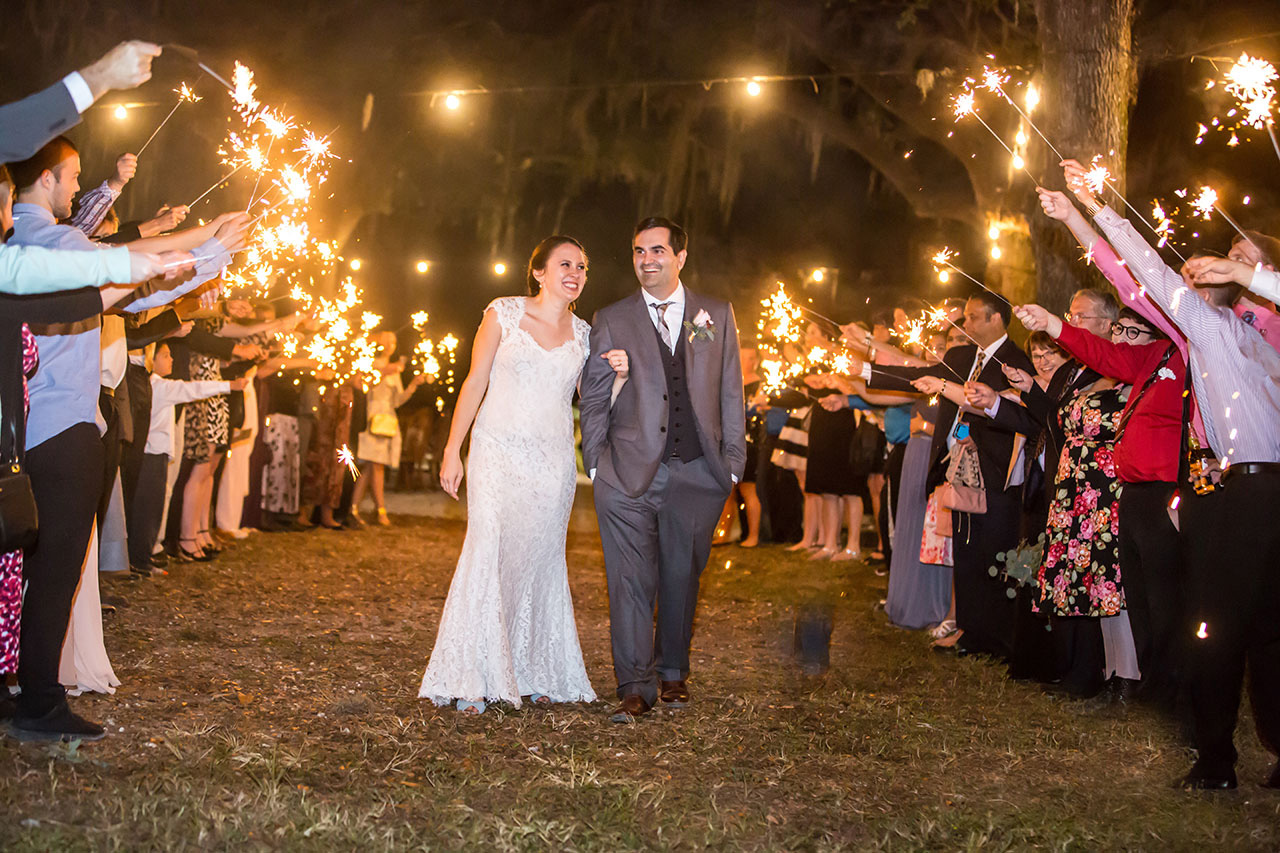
{"points": [[963, 491], [384, 425]]}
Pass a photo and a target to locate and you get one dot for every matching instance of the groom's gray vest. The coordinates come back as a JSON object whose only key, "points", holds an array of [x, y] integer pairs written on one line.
{"points": [[682, 435]]}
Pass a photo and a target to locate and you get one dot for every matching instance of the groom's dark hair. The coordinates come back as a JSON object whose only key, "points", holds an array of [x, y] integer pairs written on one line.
{"points": [[679, 237]]}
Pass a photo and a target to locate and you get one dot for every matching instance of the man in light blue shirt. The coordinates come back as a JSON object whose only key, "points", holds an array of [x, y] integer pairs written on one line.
{"points": [[64, 447]]}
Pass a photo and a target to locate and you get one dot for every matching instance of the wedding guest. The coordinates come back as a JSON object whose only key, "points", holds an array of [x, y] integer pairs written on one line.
{"points": [[323, 475], [148, 504], [1077, 441], [984, 610], [919, 594], [64, 455], [1232, 602], [378, 445]]}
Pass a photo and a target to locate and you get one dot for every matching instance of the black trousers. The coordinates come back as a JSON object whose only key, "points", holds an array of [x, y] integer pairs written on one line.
{"points": [[66, 472], [1234, 609], [1153, 576], [173, 526], [108, 405], [984, 600], [889, 497], [147, 507]]}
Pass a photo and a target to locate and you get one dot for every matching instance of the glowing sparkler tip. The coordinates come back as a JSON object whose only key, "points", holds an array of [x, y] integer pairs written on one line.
{"points": [[963, 104], [1205, 202]]}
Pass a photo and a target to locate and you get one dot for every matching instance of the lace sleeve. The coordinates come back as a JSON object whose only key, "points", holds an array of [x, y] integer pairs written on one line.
{"points": [[502, 307]]}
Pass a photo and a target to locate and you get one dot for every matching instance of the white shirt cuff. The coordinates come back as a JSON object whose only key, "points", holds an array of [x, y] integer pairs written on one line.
{"points": [[866, 371], [995, 407], [592, 475], [735, 477], [81, 94]]}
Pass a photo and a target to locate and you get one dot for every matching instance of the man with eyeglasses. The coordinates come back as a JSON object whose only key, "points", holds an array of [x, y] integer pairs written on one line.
{"points": [[1147, 445]]}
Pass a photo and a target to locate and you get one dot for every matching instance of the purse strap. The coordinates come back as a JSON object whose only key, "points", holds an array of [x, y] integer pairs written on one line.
{"points": [[13, 415]]}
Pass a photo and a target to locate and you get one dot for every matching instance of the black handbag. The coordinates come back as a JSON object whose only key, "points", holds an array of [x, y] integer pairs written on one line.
{"points": [[19, 522]]}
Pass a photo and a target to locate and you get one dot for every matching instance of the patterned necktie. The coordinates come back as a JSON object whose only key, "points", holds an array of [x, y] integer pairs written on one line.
{"points": [[663, 331], [977, 366], [973, 377]]}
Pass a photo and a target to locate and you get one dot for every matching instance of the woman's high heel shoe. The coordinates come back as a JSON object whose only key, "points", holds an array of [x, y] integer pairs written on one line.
{"points": [[196, 556], [213, 548]]}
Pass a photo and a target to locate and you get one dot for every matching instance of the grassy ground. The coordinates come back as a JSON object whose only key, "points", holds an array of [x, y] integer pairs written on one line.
{"points": [[269, 703]]}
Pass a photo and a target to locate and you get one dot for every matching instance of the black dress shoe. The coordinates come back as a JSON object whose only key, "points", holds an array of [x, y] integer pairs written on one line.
{"points": [[160, 561], [59, 724], [1199, 780]]}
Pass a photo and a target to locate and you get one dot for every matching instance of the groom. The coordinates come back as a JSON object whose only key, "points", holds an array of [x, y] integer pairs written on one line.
{"points": [[664, 456]]}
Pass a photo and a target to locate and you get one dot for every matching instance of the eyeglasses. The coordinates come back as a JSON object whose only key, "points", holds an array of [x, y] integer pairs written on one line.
{"points": [[1130, 332], [1043, 355], [1077, 317]]}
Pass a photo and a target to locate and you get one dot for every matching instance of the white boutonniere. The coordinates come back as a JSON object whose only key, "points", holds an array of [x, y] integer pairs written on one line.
{"points": [[1165, 373], [701, 328]]}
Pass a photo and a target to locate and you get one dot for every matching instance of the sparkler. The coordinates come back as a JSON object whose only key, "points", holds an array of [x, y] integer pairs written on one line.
{"points": [[944, 258], [185, 95], [215, 185], [993, 81], [939, 316], [1207, 201], [346, 457], [963, 105]]}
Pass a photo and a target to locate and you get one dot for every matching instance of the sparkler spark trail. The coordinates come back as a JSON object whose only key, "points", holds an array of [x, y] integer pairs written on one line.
{"points": [[1250, 82], [1207, 202], [346, 457]]}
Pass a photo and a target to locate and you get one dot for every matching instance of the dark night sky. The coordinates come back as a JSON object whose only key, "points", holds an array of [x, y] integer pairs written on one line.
{"points": [[411, 192]]}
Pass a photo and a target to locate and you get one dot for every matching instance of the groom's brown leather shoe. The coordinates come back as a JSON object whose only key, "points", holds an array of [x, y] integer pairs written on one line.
{"points": [[674, 693], [632, 706]]}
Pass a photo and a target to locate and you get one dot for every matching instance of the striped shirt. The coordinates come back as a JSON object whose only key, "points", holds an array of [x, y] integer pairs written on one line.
{"points": [[93, 208], [1234, 372]]}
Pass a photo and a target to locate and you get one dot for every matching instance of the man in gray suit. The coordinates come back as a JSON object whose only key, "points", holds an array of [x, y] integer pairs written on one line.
{"points": [[26, 125], [663, 455]]}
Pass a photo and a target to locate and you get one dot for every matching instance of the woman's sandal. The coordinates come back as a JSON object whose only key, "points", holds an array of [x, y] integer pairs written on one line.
{"points": [[382, 517], [802, 546], [945, 628], [196, 556], [846, 554], [471, 708], [212, 548], [542, 700], [823, 554]]}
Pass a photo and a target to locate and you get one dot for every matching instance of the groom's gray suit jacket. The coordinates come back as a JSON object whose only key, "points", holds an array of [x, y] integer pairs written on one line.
{"points": [[625, 442]]}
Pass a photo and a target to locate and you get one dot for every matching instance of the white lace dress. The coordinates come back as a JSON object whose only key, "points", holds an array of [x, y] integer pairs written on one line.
{"points": [[508, 629]]}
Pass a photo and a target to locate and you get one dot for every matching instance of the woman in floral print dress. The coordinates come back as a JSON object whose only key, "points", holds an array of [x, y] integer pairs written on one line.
{"points": [[1081, 571]]}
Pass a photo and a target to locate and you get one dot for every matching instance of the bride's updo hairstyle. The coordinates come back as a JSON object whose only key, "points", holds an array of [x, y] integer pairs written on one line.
{"points": [[538, 260]]}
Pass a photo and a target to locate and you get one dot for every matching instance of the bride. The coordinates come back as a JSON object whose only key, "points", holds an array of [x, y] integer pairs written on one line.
{"points": [[507, 629]]}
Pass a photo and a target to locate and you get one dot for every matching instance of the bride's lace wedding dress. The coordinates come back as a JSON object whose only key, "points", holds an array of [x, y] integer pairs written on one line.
{"points": [[508, 629]]}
